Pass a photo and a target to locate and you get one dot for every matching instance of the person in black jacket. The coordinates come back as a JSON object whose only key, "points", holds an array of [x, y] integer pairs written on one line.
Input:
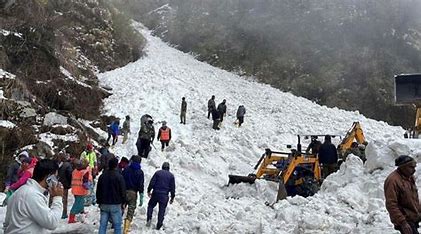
{"points": [[65, 178], [134, 178], [216, 118], [222, 108], [161, 184], [111, 197], [328, 157]]}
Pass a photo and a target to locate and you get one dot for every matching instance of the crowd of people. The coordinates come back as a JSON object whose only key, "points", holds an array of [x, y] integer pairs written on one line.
{"points": [[39, 190]]}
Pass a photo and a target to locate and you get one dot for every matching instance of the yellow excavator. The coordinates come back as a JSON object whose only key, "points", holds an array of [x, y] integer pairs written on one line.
{"points": [[296, 172], [408, 92]]}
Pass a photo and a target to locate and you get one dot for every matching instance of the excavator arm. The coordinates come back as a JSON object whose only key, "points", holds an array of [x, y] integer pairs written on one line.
{"points": [[355, 132]]}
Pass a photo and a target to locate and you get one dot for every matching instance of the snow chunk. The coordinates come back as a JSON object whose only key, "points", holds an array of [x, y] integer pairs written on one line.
{"points": [[7, 124]]}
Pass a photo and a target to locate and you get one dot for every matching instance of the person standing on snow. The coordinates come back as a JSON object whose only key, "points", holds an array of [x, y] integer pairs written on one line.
{"points": [[90, 155], [111, 196], [28, 210], [13, 168], [240, 115], [211, 105], [12, 175], [126, 129], [145, 137], [65, 178], [164, 135], [328, 157], [134, 179], [113, 130], [183, 111], [25, 173], [222, 109], [401, 195], [216, 119], [81, 184], [161, 184]]}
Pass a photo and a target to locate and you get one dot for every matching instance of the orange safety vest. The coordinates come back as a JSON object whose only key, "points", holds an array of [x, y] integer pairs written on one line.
{"points": [[77, 183], [165, 134]]}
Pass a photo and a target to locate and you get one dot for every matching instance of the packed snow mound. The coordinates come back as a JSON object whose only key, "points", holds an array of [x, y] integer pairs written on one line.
{"points": [[350, 200]]}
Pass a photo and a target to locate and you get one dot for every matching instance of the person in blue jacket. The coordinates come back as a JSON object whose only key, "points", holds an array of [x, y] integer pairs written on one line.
{"points": [[134, 178], [161, 184], [114, 130]]}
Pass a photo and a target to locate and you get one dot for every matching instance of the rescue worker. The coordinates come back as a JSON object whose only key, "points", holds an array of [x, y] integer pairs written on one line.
{"points": [[164, 135], [134, 179], [161, 184], [81, 179], [126, 128], [328, 157], [111, 196], [113, 130], [211, 105], [401, 195], [145, 138], [314, 146], [240, 115], [183, 111], [65, 171], [90, 155], [222, 109]]}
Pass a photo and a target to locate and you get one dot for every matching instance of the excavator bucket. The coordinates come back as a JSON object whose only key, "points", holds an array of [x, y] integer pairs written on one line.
{"points": [[408, 89], [236, 179]]}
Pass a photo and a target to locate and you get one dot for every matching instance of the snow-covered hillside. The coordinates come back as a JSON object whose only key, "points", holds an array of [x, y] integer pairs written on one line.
{"points": [[350, 201]]}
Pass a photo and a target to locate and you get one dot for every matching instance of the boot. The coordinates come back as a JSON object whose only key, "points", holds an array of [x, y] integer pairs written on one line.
{"points": [[148, 223], [127, 224], [72, 218]]}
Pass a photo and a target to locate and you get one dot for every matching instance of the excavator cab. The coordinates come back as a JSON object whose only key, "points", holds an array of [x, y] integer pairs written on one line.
{"points": [[408, 92], [297, 173]]}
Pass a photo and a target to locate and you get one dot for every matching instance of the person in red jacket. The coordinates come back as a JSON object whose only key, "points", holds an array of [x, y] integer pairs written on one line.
{"points": [[164, 135]]}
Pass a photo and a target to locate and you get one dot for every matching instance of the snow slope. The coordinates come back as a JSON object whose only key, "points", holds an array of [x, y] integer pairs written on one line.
{"points": [[350, 201]]}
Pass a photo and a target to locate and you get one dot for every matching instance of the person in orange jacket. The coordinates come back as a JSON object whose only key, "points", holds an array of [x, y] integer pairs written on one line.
{"points": [[81, 181], [164, 135]]}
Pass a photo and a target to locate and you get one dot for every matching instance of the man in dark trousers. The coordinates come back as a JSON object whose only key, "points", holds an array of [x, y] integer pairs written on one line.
{"points": [[134, 178], [328, 157], [183, 111], [240, 115], [222, 109], [216, 119], [111, 196], [164, 135], [145, 137], [211, 105], [401, 195], [161, 184], [65, 178]]}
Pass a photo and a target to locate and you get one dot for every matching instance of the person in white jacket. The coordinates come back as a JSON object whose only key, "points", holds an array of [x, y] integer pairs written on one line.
{"points": [[27, 210]]}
